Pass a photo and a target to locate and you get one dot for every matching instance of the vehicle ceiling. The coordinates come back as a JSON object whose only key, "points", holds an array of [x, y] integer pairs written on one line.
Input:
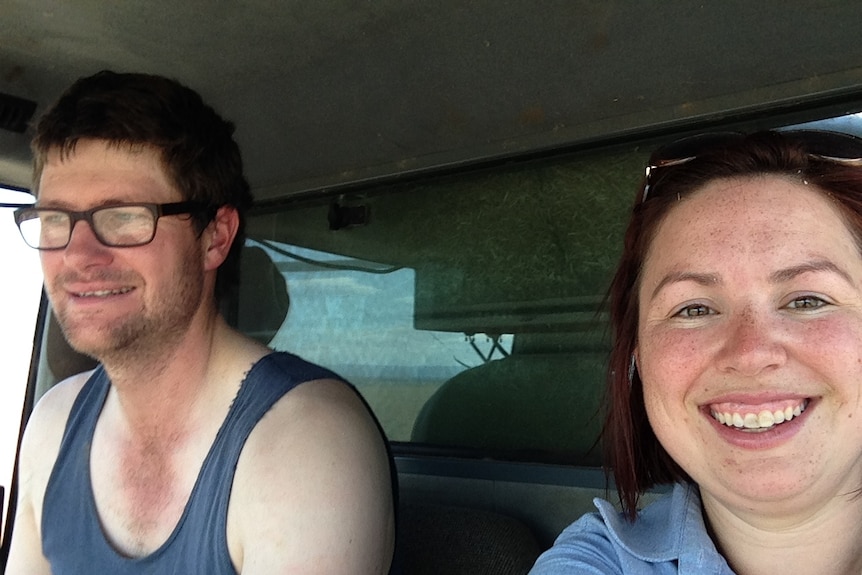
{"points": [[333, 92]]}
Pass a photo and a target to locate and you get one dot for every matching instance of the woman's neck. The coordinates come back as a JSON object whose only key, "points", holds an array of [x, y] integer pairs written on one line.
{"points": [[827, 539]]}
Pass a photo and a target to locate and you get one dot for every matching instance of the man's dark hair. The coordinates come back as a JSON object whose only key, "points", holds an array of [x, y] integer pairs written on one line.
{"points": [[195, 143]]}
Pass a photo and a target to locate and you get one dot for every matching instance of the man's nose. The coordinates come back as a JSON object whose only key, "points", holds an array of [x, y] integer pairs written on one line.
{"points": [[84, 248]]}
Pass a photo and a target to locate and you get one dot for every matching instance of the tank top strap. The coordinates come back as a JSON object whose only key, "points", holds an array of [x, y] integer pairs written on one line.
{"points": [[68, 508], [268, 381]]}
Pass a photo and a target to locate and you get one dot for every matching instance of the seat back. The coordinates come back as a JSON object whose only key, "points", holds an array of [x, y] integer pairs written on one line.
{"points": [[455, 540], [260, 304], [523, 402]]}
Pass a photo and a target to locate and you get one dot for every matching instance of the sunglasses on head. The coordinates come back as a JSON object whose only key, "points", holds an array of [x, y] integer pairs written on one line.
{"points": [[834, 147]]}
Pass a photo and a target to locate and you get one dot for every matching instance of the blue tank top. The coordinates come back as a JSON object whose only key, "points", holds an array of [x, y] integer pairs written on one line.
{"points": [[72, 536]]}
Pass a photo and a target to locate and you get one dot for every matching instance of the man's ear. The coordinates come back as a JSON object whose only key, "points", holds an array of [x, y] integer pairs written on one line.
{"points": [[219, 236]]}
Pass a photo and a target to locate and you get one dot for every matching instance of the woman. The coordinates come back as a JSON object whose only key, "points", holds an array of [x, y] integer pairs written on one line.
{"points": [[736, 372]]}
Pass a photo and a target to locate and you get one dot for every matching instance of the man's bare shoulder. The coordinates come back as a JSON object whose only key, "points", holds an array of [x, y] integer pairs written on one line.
{"points": [[314, 478], [39, 450], [315, 422], [57, 401], [46, 424]]}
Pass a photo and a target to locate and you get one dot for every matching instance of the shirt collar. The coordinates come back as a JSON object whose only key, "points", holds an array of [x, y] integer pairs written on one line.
{"points": [[670, 529]]}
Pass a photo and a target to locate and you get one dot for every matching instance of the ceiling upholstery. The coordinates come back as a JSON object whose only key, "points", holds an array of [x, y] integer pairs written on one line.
{"points": [[335, 92]]}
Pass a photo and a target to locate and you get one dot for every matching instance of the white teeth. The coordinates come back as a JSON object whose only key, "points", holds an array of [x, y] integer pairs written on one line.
{"points": [[765, 419], [104, 292], [759, 421]]}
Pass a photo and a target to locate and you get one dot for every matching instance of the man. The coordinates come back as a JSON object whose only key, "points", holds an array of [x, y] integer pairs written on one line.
{"points": [[192, 448]]}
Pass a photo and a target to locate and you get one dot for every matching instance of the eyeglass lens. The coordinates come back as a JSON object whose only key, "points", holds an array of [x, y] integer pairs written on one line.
{"points": [[114, 226]]}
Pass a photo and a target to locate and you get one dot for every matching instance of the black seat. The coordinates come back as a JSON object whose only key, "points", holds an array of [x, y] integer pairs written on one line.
{"points": [[443, 539], [531, 400]]}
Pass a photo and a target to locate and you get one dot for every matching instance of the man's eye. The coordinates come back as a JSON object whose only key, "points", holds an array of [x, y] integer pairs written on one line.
{"points": [[123, 219], [120, 217], [695, 310], [53, 219], [807, 302]]}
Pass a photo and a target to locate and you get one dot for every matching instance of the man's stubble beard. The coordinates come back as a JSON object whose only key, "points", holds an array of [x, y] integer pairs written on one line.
{"points": [[153, 333]]}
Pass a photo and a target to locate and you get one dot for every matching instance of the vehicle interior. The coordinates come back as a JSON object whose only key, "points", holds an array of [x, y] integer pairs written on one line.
{"points": [[441, 190]]}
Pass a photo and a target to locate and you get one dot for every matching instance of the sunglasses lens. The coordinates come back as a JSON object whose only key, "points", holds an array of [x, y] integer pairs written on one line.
{"points": [[829, 145], [686, 149]]}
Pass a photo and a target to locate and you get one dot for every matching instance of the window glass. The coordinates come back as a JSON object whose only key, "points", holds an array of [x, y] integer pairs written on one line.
{"points": [[467, 310], [20, 292], [356, 318]]}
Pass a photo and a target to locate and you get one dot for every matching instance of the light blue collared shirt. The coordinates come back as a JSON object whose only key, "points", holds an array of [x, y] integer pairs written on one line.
{"points": [[668, 537]]}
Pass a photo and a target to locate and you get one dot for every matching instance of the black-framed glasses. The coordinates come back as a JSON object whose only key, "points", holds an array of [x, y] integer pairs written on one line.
{"points": [[118, 225], [824, 145]]}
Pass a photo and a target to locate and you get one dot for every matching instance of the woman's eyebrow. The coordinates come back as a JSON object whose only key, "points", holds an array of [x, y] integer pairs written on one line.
{"points": [[819, 265], [705, 279], [782, 275]]}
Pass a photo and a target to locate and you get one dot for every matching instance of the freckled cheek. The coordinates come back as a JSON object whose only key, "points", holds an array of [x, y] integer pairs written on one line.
{"points": [[671, 422], [835, 344], [668, 364], [668, 360], [830, 334]]}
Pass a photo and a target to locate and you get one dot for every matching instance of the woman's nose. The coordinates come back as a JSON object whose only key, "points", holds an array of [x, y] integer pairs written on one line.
{"points": [[752, 344]]}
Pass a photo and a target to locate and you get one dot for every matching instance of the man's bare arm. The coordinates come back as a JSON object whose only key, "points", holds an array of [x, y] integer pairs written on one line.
{"points": [[312, 493], [39, 449], [25, 556]]}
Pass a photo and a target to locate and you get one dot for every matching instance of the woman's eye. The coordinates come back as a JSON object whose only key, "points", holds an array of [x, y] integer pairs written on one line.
{"points": [[695, 310], [806, 302]]}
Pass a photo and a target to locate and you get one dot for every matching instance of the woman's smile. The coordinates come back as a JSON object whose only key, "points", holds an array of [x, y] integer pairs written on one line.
{"points": [[756, 418], [748, 339]]}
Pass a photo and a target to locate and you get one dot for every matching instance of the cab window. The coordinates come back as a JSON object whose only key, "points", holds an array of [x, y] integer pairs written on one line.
{"points": [[20, 293], [467, 310]]}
